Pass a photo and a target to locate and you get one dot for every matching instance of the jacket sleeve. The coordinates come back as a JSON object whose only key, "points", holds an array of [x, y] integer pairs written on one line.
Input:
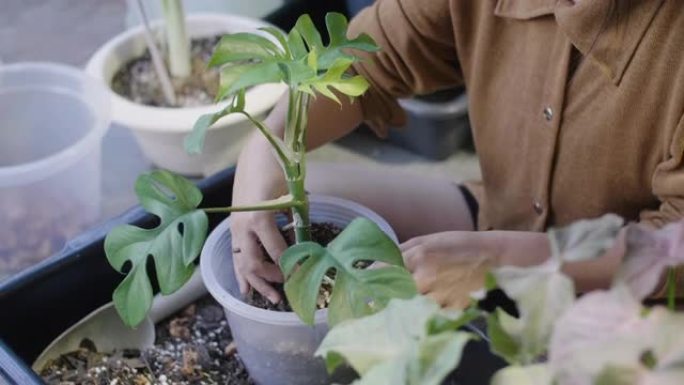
{"points": [[417, 56], [668, 183]]}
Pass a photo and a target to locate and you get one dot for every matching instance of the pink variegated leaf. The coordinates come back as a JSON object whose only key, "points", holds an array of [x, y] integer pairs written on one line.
{"points": [[602, 328], [649, 253]]}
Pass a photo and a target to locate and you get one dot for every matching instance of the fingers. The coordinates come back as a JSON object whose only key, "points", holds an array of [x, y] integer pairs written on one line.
{"points": [[260, 285], [270, 272], [410, 244], [252, 269], [271, 239], [243, 285], [414, 257]]}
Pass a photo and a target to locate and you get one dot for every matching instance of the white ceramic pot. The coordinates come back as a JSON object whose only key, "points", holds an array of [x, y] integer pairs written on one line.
{"points": [[160, 131], [276, 347]]}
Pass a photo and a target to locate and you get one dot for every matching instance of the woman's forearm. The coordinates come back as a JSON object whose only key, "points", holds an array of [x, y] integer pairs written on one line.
{"points": [[513, 248], [327, 120]]}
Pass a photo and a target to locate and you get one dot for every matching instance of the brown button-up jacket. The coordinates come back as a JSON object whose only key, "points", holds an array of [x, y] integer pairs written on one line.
{"points": [[576, 109]]}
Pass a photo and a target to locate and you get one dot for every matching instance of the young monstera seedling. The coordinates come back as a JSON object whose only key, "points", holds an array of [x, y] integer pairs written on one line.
{"points": [[310, 68]]}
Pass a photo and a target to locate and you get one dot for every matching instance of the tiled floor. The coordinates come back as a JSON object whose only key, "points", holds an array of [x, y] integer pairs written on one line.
{"points": [[69, 31]]}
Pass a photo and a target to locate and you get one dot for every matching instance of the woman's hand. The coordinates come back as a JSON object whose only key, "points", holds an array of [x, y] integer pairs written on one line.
{"points": [[258, 178], [449, 266]]}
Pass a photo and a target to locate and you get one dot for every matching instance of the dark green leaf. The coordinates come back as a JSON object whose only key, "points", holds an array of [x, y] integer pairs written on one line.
{"points": [[195, 140], [243, 46], [357, 292], [174, 244], [500, 342], [449, 321]]}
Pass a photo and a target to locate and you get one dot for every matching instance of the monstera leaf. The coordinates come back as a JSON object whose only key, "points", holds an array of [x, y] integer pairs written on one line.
{"points": [[173, 245], [395, 346], [249, 59], [357, 292]]}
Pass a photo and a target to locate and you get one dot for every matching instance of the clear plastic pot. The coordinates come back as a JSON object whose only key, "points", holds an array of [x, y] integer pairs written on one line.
{"points": [[276, 347], [53, 121]]}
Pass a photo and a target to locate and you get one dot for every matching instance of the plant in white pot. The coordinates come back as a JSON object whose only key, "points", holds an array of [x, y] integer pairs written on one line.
{"points": [[277, 348], [141, 102]]}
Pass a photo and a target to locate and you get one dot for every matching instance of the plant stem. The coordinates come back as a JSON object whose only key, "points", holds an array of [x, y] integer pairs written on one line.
{"points": [[671, 289], [176, 38], [300, 210], [298, 111], [157, 62]]}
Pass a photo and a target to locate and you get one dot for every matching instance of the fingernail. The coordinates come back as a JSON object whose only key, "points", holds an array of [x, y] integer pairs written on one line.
{"points": [[273, 299]]}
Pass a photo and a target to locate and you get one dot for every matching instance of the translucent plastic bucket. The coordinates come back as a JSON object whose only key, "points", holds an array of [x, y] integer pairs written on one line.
{"points": [[276, 347], [52, 120]]}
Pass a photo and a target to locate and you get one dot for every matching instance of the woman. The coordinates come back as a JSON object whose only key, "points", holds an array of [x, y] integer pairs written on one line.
{"points": [[576, 109]]}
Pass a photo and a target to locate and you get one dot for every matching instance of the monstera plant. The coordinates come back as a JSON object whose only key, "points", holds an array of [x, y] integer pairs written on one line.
{"points": [[311, 69]]}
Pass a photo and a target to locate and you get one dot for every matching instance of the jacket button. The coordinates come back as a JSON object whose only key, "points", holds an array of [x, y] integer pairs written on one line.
{"points": [[548, 114], [538, 208]]}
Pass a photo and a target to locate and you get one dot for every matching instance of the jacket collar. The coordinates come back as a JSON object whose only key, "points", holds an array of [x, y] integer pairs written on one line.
{"points": [[610, 41]]}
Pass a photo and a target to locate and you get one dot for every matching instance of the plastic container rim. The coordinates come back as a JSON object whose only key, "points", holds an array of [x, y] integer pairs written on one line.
{"points": [[41, 168], [236, 306]]}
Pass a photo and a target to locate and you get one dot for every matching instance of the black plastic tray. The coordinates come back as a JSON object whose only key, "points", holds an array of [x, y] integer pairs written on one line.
{"points": [[38, 304]]}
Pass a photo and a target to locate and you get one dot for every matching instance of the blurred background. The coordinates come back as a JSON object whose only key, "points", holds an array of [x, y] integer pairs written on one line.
{"points": [[435, 142]]}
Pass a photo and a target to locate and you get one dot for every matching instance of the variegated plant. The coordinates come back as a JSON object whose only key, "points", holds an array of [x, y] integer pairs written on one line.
{"points": [[606, 337]]}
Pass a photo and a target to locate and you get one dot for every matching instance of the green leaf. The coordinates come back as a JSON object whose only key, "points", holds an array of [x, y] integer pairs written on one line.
{"points": [[453, 320], [174, 244], [538, 374], [243, 46], [296, 43], [238, 77], [501, 343], [280, 36], [335, 78], [394, 347], [307, 30], [356, 292], [336, 24], [542, 293], [194, 142], [312, 61]]}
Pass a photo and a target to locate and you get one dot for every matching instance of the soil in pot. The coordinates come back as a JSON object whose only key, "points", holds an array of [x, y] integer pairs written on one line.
{"points": [[138, 82], [193, 347], [321, 233]]}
